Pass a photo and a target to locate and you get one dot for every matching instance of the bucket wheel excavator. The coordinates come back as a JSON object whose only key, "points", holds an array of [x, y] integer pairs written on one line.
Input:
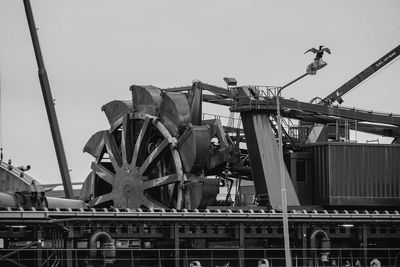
{"points": [[156, 153], [139, 169]]}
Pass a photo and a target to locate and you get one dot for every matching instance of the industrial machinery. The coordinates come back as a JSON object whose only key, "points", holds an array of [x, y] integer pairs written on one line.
{"points": [[153, 197], [337, 94], [138, 218], [157, 153], [167, 215]]}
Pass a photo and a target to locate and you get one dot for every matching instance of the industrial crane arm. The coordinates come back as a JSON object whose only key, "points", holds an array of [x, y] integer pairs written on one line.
{"points": [[48, 100], [363, 75]]}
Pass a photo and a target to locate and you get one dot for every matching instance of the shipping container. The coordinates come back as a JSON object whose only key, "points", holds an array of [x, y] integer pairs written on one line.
{"points": [[351, 174]]}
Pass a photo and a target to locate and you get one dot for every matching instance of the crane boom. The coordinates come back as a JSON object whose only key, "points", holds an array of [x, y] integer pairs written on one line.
{"points": [[48, 100], [363, 75]]}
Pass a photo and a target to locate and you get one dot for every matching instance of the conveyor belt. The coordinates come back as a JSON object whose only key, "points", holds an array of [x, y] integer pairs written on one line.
{"points": [[45, 215]]}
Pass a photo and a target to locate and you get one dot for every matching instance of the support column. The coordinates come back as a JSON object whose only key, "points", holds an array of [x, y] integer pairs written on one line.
{"points": [[241, 245], [70, 255], [365, 243], [176, 243], [264, 159], [68, 244], [304, 239], [39, 254]]}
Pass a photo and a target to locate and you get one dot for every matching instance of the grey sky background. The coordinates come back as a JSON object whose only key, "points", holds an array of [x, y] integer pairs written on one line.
{"points": [[94, 50]]}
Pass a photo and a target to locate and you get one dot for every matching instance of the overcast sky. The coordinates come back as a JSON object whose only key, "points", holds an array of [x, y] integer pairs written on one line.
{"points": [[94, 50]]}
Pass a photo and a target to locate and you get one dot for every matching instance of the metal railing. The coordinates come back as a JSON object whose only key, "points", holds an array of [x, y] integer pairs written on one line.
{"points": [[208, 257], [228, 121]]}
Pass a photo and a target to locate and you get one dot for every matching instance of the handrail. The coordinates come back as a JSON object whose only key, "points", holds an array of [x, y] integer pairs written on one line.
{"points": [[258, 102]]}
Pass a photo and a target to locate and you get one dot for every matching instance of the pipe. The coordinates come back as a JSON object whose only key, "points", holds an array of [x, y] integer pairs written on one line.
{"points": [[325, 246], [107, 247], [62, 203], [10, 200], [24, 168]]}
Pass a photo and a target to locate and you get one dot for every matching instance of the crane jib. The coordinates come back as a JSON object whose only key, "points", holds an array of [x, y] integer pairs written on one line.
{"points": [[362, 76], [384, 61]]}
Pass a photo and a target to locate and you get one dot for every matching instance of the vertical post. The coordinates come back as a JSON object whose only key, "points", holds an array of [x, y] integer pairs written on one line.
{"points": [[365, 243], [39, 248], [48, 100], [69, 246], [355, 130], [288, 259], [241, 245], [304, 238], [69, 253], [176, 243]]}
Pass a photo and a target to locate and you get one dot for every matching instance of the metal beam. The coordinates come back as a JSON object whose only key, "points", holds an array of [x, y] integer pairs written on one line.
{"points": [[48, 100], [205, 87], [264, 159], [269, 105], [362, 76]]}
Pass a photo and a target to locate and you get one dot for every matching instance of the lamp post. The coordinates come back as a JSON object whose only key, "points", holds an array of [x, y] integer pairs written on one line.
{"points": [[311, 70]]}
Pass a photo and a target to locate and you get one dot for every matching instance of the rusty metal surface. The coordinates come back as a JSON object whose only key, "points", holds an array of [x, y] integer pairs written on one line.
{"points": [[355, 174]]}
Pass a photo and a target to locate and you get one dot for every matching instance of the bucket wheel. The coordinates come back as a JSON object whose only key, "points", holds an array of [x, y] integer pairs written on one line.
{"points": [[137, 165]]}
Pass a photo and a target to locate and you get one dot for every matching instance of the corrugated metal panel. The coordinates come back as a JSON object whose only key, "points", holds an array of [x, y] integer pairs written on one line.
{"points": [[355, 174]]}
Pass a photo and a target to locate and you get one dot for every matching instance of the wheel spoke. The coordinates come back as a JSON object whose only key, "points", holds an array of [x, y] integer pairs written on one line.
{"points": [[102, 172], [123, 139], [154, 157], [141, 141], [160, 181], [126, 140], [113, 151], [101, 199]]}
